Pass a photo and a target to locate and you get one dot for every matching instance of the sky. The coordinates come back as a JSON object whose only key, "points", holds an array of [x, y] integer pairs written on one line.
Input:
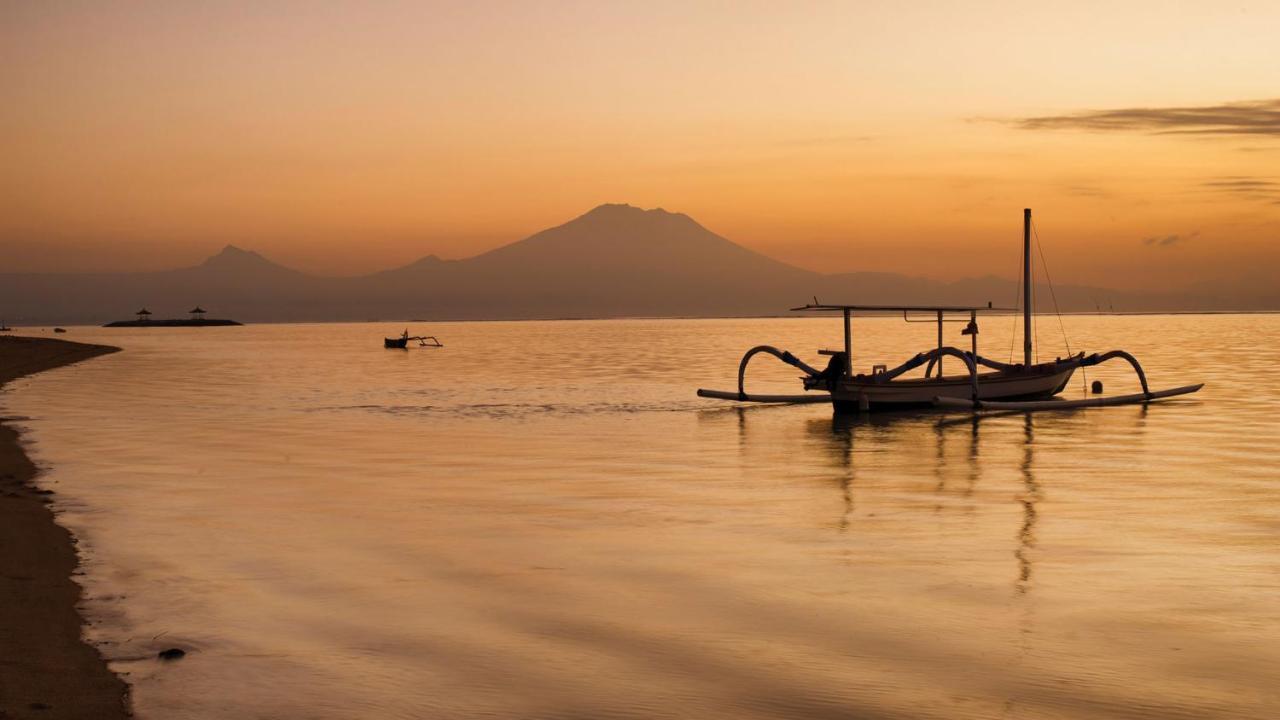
{"points": [[342, 138]]}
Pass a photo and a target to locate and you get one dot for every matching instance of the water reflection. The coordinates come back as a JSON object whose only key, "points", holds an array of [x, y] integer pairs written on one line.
{"points": [[1024, 551], [1026, 535], [946, 455], [840, 443], [839, 437]]}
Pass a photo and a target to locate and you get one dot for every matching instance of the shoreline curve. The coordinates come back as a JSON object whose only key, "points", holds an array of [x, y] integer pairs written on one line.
{"points": [[47, 669]]}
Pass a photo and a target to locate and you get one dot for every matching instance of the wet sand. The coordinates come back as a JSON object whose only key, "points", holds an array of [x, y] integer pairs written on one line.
{"points": [[47, 670]]}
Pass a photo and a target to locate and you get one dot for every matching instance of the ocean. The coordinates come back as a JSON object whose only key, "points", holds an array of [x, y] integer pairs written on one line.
{"points": [[542, 520]]}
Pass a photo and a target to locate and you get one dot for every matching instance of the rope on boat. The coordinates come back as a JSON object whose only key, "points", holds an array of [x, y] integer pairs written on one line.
{"points": [[1017, 305], [1044, 263]]}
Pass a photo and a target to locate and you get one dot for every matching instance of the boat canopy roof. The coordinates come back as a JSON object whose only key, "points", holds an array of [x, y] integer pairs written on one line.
{"points": [[900, 308]]}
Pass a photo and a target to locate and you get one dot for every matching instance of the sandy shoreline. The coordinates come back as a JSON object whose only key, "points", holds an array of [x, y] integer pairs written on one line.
{"points": [[47, 670]]}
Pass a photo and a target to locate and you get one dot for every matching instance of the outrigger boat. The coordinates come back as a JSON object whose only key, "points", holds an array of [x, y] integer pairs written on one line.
{"points": [[1004, 386], [402, 342]]}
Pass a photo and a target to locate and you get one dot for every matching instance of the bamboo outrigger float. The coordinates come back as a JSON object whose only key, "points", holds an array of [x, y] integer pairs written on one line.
{"points": [[1005, 386]]}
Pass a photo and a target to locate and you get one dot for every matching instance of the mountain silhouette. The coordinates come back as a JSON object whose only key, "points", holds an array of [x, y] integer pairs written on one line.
{"points": [[625, 240], [232, 261], [614, 261]]}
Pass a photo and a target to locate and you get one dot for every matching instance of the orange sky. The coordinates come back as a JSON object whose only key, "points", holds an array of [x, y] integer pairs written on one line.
{"points": [[347, 137]]}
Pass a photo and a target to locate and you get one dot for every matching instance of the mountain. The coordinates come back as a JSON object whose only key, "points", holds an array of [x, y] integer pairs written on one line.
{"points": [[243, 264], [238, 282], [616, 260]]}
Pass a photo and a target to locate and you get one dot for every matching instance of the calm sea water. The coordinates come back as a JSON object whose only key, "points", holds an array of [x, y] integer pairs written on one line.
{"points": [[541, 520]]}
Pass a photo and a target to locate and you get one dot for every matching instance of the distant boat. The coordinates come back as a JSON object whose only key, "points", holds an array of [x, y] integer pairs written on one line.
{"points": [[59, 330], [402, 342], [1023, 386]]}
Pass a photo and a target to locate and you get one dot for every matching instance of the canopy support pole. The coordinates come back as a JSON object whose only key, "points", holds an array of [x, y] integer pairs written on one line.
{"points": [[973, 323], [848, 346], [939, 345]]}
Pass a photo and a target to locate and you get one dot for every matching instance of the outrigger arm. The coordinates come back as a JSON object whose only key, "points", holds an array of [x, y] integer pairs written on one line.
{"points": [[931, 357], [1147, 394], [782, 355], [815, 377]]}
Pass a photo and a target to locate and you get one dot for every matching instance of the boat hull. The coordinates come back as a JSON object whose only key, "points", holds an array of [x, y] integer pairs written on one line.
{"points": [[395, 343], [1035, 383]]}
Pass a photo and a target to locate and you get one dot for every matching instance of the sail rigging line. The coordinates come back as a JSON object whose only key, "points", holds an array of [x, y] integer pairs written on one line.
{"points": [[1035, 322], [1017, 305], [1044, 262]]}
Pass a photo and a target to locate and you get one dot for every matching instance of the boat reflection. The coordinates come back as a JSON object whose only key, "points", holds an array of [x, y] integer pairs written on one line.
{"points": [[1031, 496], [946, 450], [890, 463]]}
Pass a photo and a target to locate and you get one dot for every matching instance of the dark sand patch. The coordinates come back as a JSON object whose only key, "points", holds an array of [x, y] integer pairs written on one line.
{"points": [[47, 670]]}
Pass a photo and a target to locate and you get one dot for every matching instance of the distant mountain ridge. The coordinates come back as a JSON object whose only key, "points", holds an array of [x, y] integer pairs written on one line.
{"points": [[613, 261], [234, 259]]}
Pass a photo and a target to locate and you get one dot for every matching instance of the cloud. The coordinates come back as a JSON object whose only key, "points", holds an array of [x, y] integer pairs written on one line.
{"points": [[1169, 240], [1085, 191], [1245, 187], [1254, 118], [1242, 183]]}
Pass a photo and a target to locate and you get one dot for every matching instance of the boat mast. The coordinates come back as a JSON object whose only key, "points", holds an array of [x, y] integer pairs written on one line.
{"points": [[848, 346], [1026, 287]]}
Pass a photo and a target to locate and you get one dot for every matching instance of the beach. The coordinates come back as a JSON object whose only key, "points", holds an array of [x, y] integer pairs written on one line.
{"points": [[47, 670]]}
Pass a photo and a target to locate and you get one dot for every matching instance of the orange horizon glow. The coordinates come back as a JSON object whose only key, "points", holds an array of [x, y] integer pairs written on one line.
{"points": [[348, 139]]}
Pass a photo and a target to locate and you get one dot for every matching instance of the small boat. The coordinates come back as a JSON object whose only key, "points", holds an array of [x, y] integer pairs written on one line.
{"points": [[402, 342], [1027, 385], [59, 330]]}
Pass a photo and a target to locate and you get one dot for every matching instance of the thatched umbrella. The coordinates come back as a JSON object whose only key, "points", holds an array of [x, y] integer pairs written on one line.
{"points": [[197, 313]]}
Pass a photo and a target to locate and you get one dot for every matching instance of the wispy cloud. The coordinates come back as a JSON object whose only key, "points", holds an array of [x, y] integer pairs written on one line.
{"points": [[1256, 118], [1242, 183], [1169, 240], [1245, 187], [1085, 191]]}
